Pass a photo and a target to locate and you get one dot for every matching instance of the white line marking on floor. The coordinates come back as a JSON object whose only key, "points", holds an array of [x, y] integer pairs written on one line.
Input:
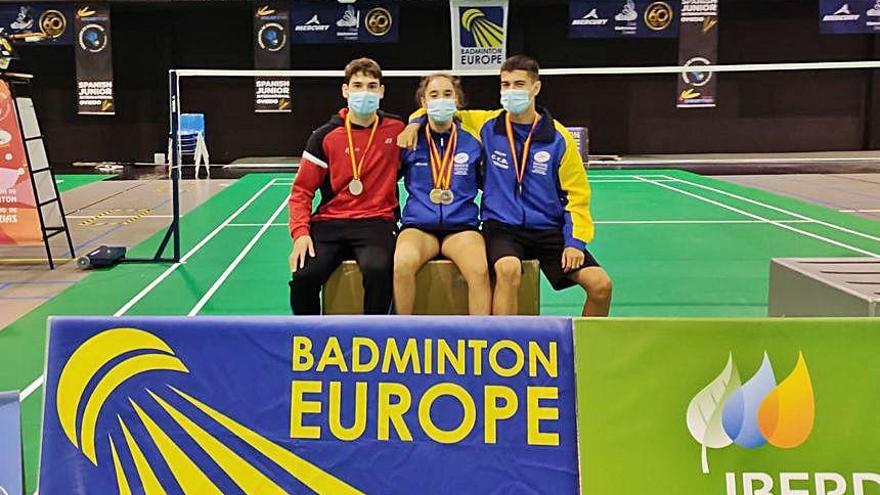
{"points": [[30, 389], [250, 245], [859, 211], [766, 220], [781, 210]]}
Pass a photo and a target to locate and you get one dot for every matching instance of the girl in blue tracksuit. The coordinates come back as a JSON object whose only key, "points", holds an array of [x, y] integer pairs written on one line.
{"points": [[441, 216]]}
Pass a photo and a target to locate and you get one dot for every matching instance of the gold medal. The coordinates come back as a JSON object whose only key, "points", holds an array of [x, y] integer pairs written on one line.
{"points": [[447, 197], [436, 196], [356, 187]]}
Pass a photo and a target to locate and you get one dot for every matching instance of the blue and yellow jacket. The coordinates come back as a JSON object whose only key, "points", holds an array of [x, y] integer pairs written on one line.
{"points": [[555, 191], [463, 212]]}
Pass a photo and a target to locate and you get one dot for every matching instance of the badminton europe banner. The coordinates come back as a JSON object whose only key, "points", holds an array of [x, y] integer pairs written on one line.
{"points": [[19, 221], [327, 405], [769, 406], [271, 51], [698, 46], [479, 34], [94, 60]]}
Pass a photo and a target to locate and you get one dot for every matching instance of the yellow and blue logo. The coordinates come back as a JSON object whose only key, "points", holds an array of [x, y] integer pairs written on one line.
{"points": [[482, 27]]}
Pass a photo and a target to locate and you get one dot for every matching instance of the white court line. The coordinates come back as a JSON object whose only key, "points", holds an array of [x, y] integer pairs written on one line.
{"points": [[207, 296], [859, 211], [35, 385], [766, 220], [780, 210]]}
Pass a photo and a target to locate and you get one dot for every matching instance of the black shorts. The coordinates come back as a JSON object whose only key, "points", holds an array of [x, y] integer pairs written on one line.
{"points": [[546, 246], [441, 233]]}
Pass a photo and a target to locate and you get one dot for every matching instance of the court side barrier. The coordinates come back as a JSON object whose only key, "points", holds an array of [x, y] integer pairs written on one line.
{"points": [[393, 405]]}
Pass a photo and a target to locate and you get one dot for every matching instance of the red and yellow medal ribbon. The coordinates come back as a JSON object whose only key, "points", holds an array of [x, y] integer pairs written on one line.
{"points": [[519, 164], [441, 169], [358, 165]]}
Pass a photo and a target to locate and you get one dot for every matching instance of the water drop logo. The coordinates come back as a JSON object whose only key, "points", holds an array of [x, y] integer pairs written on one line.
{"points": [[754, 413]]}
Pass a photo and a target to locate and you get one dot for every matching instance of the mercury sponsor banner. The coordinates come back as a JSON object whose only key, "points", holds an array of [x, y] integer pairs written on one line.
{"points": [[623, 18], [272, 51], [479, 34], [38, 23], [698, 46], [359, 21], [849, 16], [94, 60]]}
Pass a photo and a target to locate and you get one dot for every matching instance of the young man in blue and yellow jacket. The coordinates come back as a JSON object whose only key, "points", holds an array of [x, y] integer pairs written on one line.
{"points": [[536, 197]]}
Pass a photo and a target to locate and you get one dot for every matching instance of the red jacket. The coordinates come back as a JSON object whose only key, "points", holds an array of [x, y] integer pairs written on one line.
{"points": [[325, 164]]}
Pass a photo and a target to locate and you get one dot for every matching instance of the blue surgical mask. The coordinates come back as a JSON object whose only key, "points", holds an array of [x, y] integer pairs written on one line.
{"points": [[516, 101], [441, 110], [363, 103]]}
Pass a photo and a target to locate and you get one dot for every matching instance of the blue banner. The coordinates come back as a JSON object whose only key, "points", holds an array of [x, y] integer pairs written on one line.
{"points": [[10, 444], [623, 18], [39, 23], [328, 405], [361, 21], [849, 16]]}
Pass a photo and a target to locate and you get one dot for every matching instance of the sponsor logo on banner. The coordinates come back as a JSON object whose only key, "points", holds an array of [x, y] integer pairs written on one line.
{"points": [[479, 34], [272, 51], [359, 21], [618, 18], [754, 413], [137, 401], [39, 23], [849, 17], [698, 45], [749, 407], [94, 60]]}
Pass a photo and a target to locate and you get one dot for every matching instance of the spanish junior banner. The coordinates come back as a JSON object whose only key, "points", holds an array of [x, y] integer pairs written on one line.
{"points": [[272, 51], [327, 405], [729, 407], [94, 60], [698, 46], [479, 34], [19, 221]]}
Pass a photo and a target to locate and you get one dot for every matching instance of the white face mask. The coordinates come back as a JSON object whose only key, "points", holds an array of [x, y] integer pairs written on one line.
{"points": [[516, 101]]}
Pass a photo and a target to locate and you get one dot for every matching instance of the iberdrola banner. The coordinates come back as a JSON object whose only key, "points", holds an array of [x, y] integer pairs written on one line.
{"points": [[729, 407], [327, 405], [479, 34]]}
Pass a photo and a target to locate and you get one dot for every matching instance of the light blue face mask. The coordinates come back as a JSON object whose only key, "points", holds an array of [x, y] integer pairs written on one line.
{"points": [[441, 110], [516, 101], [363, 103]]}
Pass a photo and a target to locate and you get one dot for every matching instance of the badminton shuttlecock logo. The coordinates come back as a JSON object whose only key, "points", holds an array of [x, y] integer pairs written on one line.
{"points": [[104, 363], [487, 34], [754, 413]]}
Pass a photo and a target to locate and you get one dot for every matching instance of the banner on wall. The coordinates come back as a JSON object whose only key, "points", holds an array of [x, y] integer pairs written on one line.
{"points": [[761, 406], [623, 18], [698, 46], [38, 23], [272, 51], [849, 16], [336, 406], [11, 467], [359, 21], [19, 219], [479, 34], [94, 60]]}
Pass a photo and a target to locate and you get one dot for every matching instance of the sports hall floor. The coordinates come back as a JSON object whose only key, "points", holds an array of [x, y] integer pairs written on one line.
{"points": [[675, 243]]}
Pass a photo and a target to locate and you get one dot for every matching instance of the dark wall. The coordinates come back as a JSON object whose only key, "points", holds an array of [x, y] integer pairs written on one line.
{"points": [[776, 111]]}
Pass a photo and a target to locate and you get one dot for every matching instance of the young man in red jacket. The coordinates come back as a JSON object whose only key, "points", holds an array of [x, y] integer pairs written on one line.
{"points": [[354, 160]]}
